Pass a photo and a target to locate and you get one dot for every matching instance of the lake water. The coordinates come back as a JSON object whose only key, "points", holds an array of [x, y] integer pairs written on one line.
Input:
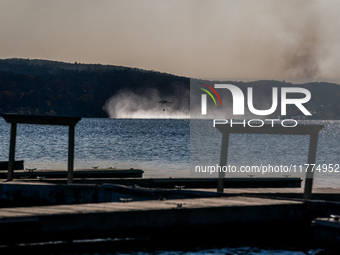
{"points": [[274, 150], [158, 146], [163, 148]]}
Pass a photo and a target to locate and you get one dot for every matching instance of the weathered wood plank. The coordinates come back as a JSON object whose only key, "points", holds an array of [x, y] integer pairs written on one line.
{"points": [[41, 119]]}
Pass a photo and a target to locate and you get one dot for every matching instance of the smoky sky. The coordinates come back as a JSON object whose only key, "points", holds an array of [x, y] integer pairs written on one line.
{"points": [[193, 38]]}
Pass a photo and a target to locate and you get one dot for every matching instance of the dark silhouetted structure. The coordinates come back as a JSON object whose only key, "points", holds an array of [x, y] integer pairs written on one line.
{"points": [[41, 120], [311, 130]]}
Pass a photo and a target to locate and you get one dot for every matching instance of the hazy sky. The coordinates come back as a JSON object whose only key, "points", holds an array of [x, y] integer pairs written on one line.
{"points": [[193, 38]]}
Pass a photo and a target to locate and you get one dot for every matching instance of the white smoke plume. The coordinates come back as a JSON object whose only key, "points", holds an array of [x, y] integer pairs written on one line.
{"points": [[127, 104]]}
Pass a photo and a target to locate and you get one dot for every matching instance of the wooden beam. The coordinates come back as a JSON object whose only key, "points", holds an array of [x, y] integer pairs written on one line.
{"points": [[12, 152], [41, 119], [70, 162]]}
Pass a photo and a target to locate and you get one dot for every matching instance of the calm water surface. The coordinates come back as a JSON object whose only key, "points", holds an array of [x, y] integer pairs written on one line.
{"points": [[163, 148], [160, 147], [274, 150]]}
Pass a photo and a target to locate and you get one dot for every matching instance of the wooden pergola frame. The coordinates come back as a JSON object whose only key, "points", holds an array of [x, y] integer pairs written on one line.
{"points": [[15, 119], [311, 130]]}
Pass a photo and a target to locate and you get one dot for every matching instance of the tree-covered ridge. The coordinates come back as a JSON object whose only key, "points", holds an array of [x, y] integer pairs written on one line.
{"points": [[48, 87]]}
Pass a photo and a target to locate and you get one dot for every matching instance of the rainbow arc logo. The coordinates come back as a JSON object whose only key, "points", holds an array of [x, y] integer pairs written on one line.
{"points": [[204, 97]]}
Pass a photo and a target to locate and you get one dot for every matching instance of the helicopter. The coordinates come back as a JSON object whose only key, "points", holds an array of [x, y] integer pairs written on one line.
{"points": [[165, 101]]}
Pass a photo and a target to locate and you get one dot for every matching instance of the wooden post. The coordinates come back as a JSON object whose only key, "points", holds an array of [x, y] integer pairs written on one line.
{"points": [[12, 152], [70, 155], [311, 160], [223, 161]]}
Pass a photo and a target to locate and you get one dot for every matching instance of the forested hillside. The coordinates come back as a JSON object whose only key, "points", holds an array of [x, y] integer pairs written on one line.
{"points": [[57, 88]]}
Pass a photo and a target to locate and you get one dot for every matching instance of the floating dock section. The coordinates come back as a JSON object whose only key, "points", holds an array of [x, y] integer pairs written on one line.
{"points": [[231, 215]]}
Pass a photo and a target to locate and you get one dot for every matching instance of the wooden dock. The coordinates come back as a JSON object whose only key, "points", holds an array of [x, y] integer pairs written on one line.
{"points": [[18, 165], [125, 178], [79, 173], [235, 214], [45, 212], [206, 183]]}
